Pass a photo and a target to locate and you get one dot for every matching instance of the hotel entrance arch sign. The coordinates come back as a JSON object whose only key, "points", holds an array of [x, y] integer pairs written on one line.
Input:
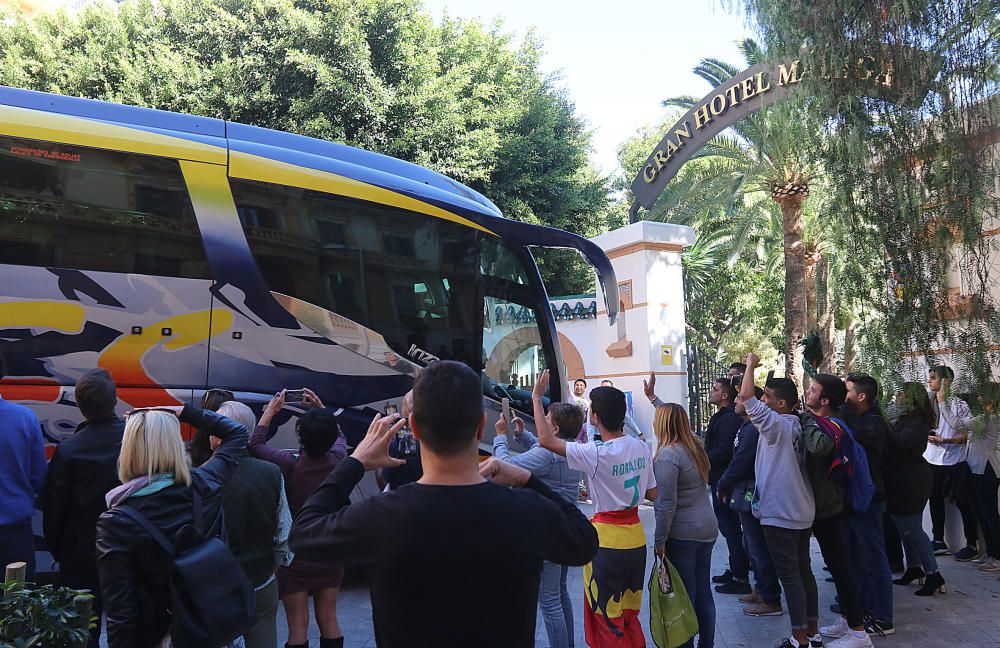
{"points": [[755, 88]]}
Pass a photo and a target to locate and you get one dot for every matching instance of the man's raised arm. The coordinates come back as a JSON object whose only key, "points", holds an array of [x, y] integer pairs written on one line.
{"points": [[546, 437]]}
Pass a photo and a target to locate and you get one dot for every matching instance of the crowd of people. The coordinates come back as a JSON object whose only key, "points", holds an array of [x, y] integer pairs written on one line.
{"points": [[453, 543]]}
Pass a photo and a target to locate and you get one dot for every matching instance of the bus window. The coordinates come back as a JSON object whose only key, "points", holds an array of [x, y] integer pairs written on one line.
{"points": [[513, 353], [91, 209], [495, 260], [405, 276]]}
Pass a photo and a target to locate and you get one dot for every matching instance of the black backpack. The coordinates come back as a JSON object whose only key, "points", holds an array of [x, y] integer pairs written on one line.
{"points": [[211, 598]]}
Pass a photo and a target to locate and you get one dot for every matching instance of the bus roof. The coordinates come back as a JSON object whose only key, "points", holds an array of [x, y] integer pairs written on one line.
{"points": [[353, 161]]}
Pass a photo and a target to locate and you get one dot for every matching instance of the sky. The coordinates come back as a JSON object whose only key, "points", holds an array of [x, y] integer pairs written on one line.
{"points": [[619, 59]]}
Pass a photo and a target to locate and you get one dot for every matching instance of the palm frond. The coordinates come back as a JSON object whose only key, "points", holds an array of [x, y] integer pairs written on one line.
{"points": [[683, 101], [715, 71], [753, 53]]}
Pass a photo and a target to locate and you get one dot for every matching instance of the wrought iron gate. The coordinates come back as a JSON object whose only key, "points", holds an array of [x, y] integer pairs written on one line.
{"points": [[703, 369]]}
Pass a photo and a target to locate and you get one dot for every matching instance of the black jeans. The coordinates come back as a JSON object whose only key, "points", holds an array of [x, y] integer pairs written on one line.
{"points": [[984, 488], [947, 479], [732, 530], [17, 544], [790, 554], [832, 535], [88, 582]]}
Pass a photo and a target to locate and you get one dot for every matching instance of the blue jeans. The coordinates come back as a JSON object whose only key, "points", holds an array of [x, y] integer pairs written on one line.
{"points": [[557, 609], [729, 527], [693, 561], [916, 544], [871, 566], [760, 559]]}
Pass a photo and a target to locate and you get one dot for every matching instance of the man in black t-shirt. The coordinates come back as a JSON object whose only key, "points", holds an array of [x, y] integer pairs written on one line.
{"points": [[429, 547]]}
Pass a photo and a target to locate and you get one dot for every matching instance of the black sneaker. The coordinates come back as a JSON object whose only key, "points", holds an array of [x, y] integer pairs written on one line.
{"points": [[789, 642], [877, 628], [816, 641], [724, 577], [966, 554], [734, 587], [940, 548]]}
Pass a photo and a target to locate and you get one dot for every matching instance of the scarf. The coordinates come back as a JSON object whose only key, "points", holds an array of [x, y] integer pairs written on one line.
{"points": [[138, 487]]}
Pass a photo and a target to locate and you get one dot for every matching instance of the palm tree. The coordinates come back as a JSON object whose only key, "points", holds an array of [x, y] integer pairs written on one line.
{"points": [[759, 169]]}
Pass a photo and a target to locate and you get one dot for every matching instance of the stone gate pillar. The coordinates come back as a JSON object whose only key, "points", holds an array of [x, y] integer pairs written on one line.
{"points": [[649, 335]]}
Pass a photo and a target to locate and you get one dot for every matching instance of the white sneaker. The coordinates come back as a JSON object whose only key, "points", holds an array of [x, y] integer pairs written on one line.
{"points": [[852, 640], [838, 629], [990, 565]]}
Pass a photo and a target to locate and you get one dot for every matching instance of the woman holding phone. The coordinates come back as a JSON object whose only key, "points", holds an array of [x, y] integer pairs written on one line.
{"points": [[321, 448]]}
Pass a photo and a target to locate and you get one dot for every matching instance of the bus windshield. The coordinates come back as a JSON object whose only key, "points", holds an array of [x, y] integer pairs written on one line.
{"points": [[400, 287]]}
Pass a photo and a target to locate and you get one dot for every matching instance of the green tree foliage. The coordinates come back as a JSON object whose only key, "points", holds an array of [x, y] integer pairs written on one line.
{"points": [[458, 97], [907, 147]]}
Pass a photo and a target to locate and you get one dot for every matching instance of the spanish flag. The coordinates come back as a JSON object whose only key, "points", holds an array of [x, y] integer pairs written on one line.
{"points": [[614, 581]]}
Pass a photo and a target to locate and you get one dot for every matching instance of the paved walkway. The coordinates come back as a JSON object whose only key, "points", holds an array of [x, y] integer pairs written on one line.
{"points": [[968, 615]]}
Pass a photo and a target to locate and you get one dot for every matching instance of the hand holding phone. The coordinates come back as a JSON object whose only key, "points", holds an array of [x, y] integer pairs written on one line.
{"points": [[294, 395], [505, 404]]}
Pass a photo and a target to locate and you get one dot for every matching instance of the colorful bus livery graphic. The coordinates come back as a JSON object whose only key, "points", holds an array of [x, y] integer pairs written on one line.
{"points": [[183, 253]]}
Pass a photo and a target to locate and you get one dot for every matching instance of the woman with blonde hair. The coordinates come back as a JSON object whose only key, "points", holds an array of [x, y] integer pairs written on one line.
{"points": [[686, 527], [158, 482]]}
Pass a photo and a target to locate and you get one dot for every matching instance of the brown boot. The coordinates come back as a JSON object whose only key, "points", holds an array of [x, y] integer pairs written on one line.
{"points": [[752, 597], [763, 609]]}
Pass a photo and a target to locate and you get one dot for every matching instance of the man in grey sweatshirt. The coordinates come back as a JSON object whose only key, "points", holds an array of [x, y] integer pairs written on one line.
{"points": [[784, 500]]}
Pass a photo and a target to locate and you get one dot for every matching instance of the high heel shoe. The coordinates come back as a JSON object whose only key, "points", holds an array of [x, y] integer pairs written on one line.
{"points": [[911, 574], [932, 583]]}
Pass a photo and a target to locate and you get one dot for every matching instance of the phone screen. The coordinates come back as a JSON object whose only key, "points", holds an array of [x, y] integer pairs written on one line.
{"points": [[294, 395], [391, 409], [505, 403]]}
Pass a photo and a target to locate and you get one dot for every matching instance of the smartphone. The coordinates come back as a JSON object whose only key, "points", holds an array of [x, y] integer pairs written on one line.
{"points": [[391, 409], [294, 395], [505, 404]]}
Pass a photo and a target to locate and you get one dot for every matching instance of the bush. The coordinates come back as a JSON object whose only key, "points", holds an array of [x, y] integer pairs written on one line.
{"points": [[46, 616]]}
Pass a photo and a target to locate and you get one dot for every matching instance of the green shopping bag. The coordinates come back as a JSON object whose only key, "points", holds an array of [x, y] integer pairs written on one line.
{"points": [[671, 617]]}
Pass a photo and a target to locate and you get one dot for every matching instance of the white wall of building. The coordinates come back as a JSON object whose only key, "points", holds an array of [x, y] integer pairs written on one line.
{"points": [[647, 261]]}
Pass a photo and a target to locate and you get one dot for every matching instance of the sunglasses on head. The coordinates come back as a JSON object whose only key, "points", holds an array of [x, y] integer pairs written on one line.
{"points": [[143, 410]]}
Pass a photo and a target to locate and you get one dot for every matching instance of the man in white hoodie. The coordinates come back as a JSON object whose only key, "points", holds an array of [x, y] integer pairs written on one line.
{"points": [[783, 500]]}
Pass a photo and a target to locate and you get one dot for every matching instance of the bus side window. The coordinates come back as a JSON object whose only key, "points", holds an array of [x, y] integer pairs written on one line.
{"points": [[91, 209], [407, 276]]}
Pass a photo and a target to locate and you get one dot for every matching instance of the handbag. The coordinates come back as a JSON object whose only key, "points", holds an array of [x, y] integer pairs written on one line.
{"points": [[672, 621]]}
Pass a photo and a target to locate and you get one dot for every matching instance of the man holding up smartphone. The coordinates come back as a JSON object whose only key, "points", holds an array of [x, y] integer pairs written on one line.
{"points": [[397, 476]]}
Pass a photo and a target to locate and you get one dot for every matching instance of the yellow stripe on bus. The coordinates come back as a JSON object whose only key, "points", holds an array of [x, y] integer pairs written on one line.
{"points": [[58, 316], [79, 131], [254, 167]]}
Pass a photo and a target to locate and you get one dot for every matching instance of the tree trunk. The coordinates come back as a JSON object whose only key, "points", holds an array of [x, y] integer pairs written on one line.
{"points": [[826, 317], [850, 349], [795, 288]]}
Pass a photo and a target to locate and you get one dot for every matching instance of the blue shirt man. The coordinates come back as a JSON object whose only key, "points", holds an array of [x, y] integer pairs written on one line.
{"points": [[22, 475]]}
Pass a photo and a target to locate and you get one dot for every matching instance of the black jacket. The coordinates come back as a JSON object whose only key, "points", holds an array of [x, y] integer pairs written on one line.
{"points": [[83, 469], [719, 437], [421, 547], [908, 475], [133, 569], [740, 471], [871, 430]]}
